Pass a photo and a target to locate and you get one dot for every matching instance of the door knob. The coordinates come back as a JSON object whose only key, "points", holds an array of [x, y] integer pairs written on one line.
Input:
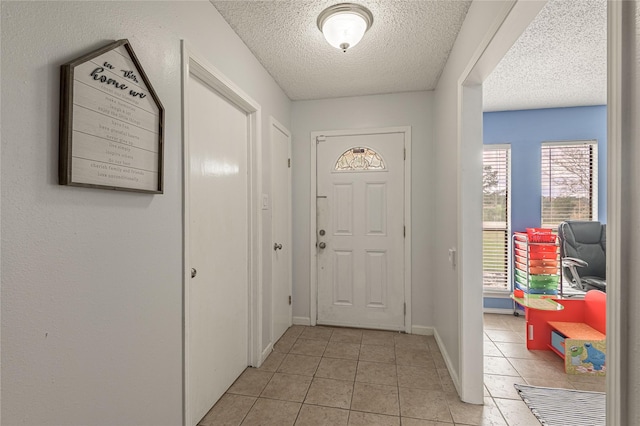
{"points": [[322, 245], [277, 246], [194, 272]]}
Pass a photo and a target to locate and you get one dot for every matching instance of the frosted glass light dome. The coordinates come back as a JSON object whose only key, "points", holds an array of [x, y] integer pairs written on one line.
{"points": [[344, 25]]}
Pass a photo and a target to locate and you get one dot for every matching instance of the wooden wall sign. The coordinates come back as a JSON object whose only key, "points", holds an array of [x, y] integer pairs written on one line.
{"points": [[111, 123]]}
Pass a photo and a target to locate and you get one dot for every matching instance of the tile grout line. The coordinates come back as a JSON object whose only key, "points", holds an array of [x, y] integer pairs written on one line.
{"points": [[307, 392], [249, 410], [395, 353]]}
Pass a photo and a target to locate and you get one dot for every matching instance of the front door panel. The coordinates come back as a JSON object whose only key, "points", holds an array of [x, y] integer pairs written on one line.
{"points": [[360, 235]]}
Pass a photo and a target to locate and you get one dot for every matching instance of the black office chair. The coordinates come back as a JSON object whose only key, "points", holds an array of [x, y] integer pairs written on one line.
{"points": [[583, 248]]}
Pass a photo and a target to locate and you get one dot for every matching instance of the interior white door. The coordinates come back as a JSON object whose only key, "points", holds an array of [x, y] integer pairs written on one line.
{"points": [[281, 229], [218, 245], [360, 230]]}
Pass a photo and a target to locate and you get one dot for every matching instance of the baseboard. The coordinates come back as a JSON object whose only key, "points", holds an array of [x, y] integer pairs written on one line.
{"points": [[447, 361], [497, 311], [301, 321], [496, 294], [267, 351], [422, 330]]}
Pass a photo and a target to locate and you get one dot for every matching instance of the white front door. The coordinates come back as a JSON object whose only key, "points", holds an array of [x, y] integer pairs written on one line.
{"points": [[360, 230], [281, 230], [218, 215]]}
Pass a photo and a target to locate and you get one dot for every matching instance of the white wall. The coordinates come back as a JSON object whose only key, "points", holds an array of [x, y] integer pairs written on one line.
{"points": [[413, 109], [475, 34], [92, 279]]}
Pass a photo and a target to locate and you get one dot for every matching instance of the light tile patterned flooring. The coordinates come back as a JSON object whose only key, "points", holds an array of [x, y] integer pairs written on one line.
{"points": [[339, 376]]}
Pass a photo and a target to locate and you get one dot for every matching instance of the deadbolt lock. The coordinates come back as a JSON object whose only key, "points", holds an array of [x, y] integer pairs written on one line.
{"points": [[322, 232]]}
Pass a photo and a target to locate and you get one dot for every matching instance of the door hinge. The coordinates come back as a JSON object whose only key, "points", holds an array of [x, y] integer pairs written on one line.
{"points": [[289, 299], [289, 162], [404, 231], [405, 153], [405, 308]]}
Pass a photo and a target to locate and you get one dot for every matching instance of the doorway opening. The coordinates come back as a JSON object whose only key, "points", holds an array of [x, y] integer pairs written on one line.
{"points": [[471, 141], [557, 177]]}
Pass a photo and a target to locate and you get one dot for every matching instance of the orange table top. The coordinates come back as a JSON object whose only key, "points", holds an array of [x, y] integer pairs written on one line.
{"points": [[577, 330]]}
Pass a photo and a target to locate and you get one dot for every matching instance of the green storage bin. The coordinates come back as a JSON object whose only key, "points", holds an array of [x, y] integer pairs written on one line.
{"points": [[536, 285], [543, 286], [538, 278], [538, 282]]}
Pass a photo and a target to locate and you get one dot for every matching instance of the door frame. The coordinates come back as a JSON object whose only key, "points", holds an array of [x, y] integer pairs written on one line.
{"points": [[514, 16], [518, 14], [275, 124], [194, 64], [313, 261], [617, 126]]}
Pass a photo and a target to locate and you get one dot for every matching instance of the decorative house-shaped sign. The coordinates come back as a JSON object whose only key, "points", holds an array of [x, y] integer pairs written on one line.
{"points": [[111, 123]]}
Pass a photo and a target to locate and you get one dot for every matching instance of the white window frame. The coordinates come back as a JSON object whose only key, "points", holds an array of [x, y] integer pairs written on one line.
{"points": [[488, 290], [594, 178]]}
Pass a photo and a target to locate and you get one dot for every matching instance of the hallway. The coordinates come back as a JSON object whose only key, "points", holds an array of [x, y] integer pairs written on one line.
{"points": [[338, 376]]}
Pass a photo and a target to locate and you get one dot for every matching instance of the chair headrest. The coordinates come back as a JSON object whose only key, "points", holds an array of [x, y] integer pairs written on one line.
{"points": [[577, 232]]}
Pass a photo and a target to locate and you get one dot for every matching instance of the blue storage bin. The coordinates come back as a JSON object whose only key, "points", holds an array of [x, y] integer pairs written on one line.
{"points": [[557, 341]]}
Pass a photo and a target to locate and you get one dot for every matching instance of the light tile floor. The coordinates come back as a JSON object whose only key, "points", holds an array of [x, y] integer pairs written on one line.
{"points": [[339, 376]]}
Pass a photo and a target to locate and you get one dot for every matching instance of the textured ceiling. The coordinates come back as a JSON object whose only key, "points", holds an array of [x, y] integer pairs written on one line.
{"points": [[404, 50], [559, 61]]}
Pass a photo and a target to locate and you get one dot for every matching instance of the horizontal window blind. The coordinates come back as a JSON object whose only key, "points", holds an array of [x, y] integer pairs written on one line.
{"points": [[569, 173], [495, 217]]}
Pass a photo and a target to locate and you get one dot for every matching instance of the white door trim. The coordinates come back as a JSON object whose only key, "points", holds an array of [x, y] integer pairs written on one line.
{"points": [[617, 30], [313, 262], [470, 245], [273, 123], [194, 64]]}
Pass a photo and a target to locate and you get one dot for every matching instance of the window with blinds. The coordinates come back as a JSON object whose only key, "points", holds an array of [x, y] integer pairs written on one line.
{"points": [[496, 174], [569, 182]]}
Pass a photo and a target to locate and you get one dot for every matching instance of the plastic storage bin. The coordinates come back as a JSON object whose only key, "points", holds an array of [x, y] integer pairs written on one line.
{"points": [[531, 290], [536, 247], [557, 341], [537, 270], [540, 235], [537, 262], [537, 255], [537, 280]]}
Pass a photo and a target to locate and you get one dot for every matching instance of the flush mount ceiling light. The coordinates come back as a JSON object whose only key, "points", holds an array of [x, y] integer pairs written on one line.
{"points": [[344, 24]]}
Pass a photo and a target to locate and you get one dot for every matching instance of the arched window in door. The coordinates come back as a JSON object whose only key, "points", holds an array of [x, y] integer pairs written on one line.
{"points": [[360, 159]]}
